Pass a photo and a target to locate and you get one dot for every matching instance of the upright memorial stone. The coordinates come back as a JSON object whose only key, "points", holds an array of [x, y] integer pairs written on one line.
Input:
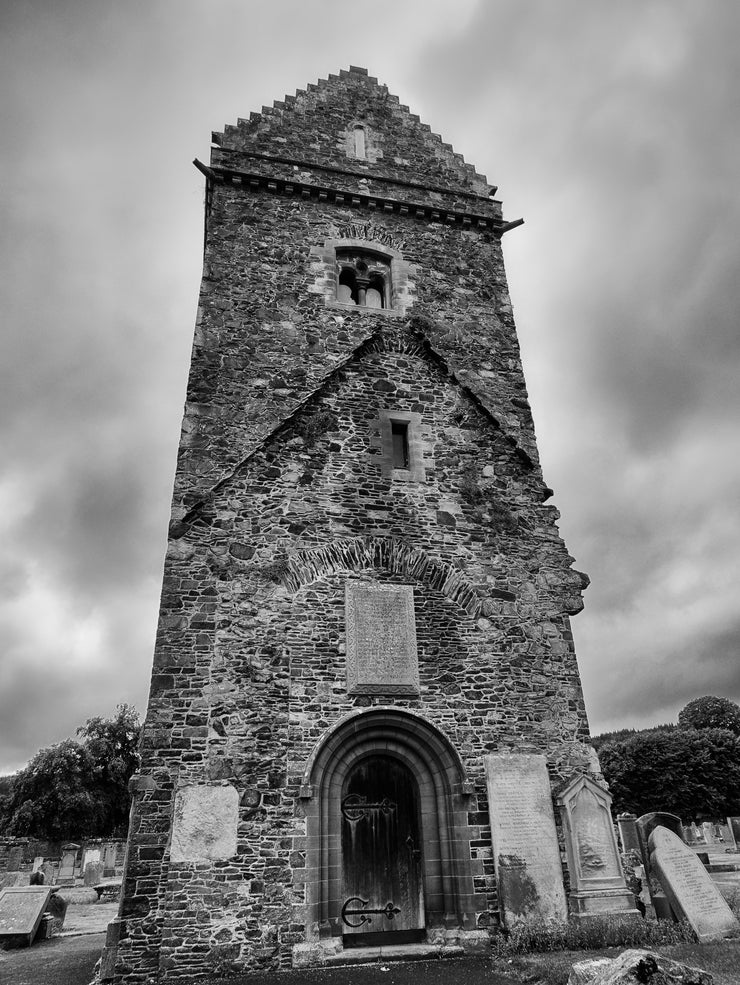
{"points": [[525, 842], [67, 865], [689, 887], [597, 884]]}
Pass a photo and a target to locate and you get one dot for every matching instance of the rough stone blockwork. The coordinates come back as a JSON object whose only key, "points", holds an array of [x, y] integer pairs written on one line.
{"points": [[287, 488]]}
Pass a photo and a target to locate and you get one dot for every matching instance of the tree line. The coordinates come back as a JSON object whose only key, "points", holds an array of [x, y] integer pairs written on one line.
{"points": [[76, 788], [691, 769]]}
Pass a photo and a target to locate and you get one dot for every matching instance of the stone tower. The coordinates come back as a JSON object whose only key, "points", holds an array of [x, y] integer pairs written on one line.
{"points": [[365, 595]]}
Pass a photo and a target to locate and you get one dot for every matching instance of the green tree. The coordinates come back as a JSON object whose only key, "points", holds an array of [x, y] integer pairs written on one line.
{"points": [[52, 797], [78, 789], [711, 712], [694, 773], [112, 744]]}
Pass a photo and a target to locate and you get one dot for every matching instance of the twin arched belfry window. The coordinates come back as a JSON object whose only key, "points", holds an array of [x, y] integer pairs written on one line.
{"points": [[364, 279]]}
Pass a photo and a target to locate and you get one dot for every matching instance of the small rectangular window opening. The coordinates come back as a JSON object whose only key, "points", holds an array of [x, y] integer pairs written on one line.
{"points": [[400, 436]]}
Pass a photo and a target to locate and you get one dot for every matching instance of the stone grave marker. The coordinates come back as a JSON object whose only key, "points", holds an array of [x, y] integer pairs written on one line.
{"points": [[67, 865], [525, 842], [597, 883], [708, 829], [689, 887], [21, 910], [50, 870], [733, 823], [15, 859], [109, 860], [93, 873], [647, 822], [381, 639]]}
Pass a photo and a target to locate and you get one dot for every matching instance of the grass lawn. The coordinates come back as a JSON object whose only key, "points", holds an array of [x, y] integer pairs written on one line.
{"points": [[553, 967]]}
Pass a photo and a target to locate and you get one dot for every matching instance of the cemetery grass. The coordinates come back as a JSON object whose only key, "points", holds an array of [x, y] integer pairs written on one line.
{"points": [[721, 959]]}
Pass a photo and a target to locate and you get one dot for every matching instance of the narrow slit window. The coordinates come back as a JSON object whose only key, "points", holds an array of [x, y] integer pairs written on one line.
{"points": [[360, 143], [400, 436]]}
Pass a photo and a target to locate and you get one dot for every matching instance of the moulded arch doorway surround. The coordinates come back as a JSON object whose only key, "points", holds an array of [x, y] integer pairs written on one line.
{"points": [[442, 784]]}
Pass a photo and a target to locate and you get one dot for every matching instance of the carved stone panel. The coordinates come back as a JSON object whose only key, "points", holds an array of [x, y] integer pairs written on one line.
{"points": [[596, 879], [381, 639]]}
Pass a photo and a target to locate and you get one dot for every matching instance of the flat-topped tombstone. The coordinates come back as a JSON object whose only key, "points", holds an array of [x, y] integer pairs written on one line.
{"points": [[689, 887], [525, 842], [381, 639], [21, 909]]}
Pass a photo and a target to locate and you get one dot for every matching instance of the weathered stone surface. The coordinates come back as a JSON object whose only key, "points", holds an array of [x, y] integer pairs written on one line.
{"points": [[285, 492], [93, 873], [689, 887], [597, 883], [637, 967], [204, 824], [525, 842], [21, 910], [381, 639]]}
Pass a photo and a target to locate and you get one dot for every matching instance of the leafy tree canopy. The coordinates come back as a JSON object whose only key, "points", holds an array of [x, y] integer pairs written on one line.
{"points": [[711, 712], [694, 773], [77, 789]]}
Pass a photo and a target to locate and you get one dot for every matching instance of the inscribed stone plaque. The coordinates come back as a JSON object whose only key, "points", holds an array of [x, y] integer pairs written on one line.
{"points": [[21, 909], [204, 823], [525, 841], [689, 887], [381, 639]]}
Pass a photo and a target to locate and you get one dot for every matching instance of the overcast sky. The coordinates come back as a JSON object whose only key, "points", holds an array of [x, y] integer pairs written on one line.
{"points": [[612, 128]]}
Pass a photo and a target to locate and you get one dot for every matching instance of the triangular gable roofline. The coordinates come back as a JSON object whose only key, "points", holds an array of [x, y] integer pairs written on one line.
{"points": [[415, 327], [288, 102]]}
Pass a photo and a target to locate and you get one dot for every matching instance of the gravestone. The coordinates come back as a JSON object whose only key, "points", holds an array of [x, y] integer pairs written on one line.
{"points": [[648, 822], [15, 859], [21, 910], [67, 865], [628, 835], [733, 823], [57, 909], [109, 860], [597, 885], [689, 887], [381, 639], [708, 829], [525, 842], [93, 873], [49, 870]]}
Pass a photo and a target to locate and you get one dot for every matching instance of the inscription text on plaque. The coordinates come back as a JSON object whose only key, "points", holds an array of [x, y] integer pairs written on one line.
{"points": [[381, 639]]}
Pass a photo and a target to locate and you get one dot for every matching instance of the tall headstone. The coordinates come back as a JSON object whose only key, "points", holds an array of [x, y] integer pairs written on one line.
{"points": [[597, 885], [689, 887], [526, 856], [67, 865], [628, 834]]}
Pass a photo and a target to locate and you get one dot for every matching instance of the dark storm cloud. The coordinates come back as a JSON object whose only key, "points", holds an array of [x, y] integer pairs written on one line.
{"points": [[610, 127]]}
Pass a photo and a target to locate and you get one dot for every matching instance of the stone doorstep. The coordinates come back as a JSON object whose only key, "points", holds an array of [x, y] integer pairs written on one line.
{"points": [[394, 952]]}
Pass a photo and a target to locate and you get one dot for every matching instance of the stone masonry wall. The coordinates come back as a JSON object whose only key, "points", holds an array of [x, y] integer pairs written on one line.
{"points": [[283, 494]]}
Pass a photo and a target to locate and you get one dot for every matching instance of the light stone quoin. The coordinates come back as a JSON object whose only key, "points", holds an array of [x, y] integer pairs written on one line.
{"points": [[381, 639]]}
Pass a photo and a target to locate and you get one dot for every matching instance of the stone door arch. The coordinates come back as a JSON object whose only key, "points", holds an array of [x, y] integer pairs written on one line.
{"points": [[442, 785]]}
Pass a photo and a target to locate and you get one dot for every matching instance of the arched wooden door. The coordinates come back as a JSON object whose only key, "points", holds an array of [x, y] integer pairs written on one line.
{"points": [[383, 892]]}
